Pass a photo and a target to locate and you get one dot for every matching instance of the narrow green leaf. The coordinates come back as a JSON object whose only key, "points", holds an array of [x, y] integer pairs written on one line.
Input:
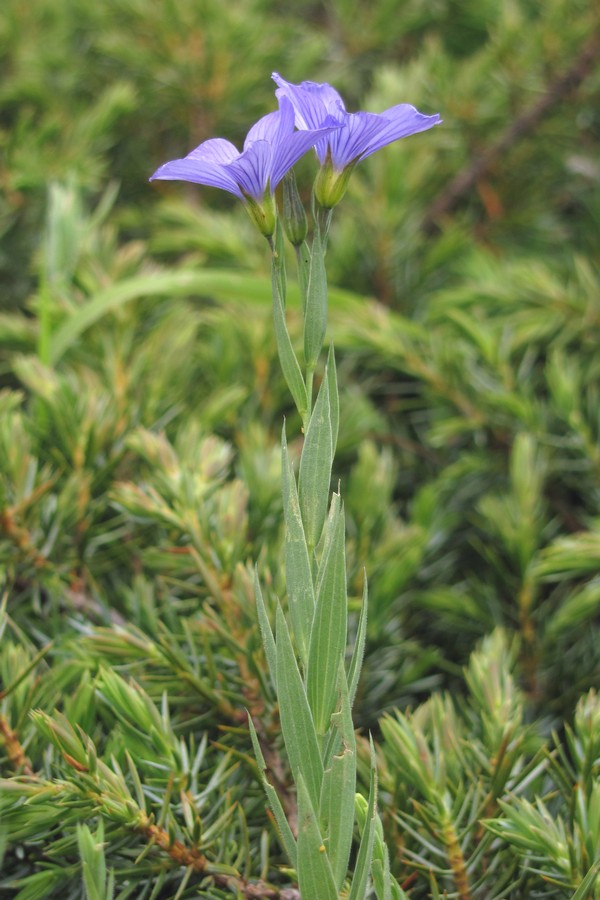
{"points": [[298, 573], [287, 357], [303, 260], [315, 319], [315, 468], [334, 399], [25, 672], [93, 864], [297, 723], [266, 631], [314, 870], [225, 284], [336, 811], [365, 851], [327, 535], [285, 832], [279, 262], [591, 878], [329, 631], [359, 645]]}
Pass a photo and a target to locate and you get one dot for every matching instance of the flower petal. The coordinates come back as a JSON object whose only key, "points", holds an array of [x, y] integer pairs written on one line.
{"points": [[204, 165], [289, 151], [399, 121], [312, 102], [348, 144], [273, 127], [198, 172], [252, 169], [216, 150]]}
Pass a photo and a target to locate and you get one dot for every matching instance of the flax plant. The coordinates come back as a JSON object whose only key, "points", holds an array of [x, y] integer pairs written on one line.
{"points": [[313, 669]]}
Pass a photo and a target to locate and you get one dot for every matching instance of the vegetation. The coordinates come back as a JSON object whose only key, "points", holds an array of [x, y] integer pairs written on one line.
{"points": [[140, 417]]}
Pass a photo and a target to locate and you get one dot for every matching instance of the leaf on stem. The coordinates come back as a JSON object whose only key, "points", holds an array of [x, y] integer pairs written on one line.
{"points": [[339, 785], [287, 357], [297, 723], [329, 630], [314, 870], [315, 468], [285, 832], [315, 318], [334, 400], [359, 645], [298, 574], [266, 631], [365, 851]]}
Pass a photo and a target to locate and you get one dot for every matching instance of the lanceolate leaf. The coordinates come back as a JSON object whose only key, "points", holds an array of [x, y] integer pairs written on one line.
{"points": [[365, 851], [315, 321], [359, 645], [315, 468], [287, 838], [303, 259], [287, 357], [266, 631], [334, 400], [339, 785], [296, 720], [298, 574], [314, 870], [328, 635]]}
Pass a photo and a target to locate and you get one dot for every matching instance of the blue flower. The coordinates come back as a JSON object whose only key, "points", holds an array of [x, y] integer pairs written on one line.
{"points": [[360, 134], [271, 148]]}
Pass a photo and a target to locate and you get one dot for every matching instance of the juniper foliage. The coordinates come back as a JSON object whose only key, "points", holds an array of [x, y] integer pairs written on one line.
{"points": [[139, 423]]}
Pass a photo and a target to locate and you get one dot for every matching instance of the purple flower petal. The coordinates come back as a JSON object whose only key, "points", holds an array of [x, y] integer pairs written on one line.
{"points": [[197, 171], [274, 127], [348, 144], [360, 134], [252, 170], [216, 150], [291, 150], [400, 121], [312, 102]]}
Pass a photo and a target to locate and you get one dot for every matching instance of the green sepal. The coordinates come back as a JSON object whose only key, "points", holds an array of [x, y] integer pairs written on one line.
{"points": [[315, 876], [315, 468], [329, 630], [298, 574], [285, 832], [297, 724]]}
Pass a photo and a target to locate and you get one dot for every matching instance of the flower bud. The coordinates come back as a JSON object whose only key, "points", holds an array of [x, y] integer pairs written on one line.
{"points": [[294, 216]]}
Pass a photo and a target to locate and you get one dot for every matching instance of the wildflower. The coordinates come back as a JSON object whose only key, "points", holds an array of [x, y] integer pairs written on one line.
{"points": [[271, 148], [360, 134]]}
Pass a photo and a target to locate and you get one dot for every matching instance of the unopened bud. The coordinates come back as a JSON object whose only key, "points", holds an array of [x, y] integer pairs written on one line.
{"points": [[294, 216]]}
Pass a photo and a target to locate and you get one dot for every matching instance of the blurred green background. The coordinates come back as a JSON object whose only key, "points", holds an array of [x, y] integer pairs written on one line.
{"points": [[141, 406]]}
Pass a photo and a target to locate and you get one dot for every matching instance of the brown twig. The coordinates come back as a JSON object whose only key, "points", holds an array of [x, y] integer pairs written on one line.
{"points": [[17, 757], [558, 89], [192, 858]]}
